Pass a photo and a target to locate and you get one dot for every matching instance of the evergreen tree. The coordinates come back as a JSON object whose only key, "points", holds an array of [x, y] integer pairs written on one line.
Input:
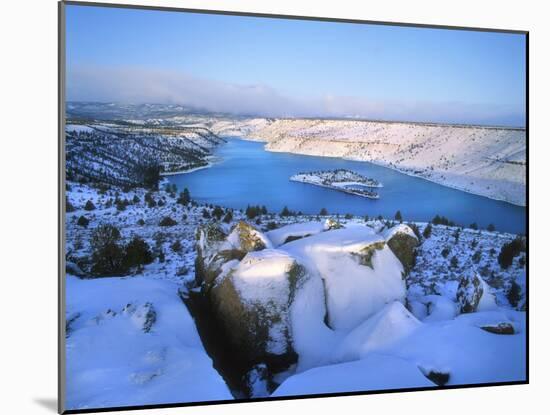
{"points": [[228, 217], [184, 197], [107, 254], [427, 231], [137, 253], [167, 221], [89, 205], [83, 221], [398, 216], [454, 262], [217, 212]]}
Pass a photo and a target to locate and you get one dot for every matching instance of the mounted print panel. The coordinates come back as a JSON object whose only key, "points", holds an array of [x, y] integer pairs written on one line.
{"points": [[269, 207]]}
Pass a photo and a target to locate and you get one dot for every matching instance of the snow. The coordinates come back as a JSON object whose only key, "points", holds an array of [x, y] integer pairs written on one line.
{"points": [[312, 339], [394, 350], [279, 236], [261, 279], [487, 300], [354, 292], [394, 322], [375, 372], [469, 354], [261, 276], [78, 128], [373, 341], [397, 229], [111, 361], [440, 308]]}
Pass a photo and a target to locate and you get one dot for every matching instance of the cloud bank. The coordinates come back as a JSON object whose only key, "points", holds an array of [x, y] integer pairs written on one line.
{"points": [[144, 85]]}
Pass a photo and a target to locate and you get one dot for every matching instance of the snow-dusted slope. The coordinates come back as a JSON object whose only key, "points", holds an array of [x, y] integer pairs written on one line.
{"points": [[133, 155], [482, 160]]}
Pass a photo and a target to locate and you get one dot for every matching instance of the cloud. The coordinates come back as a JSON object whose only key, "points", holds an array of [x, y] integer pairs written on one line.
{"points": [[146, 85]]}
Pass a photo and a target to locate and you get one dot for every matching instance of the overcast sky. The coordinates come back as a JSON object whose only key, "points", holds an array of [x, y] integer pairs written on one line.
{"points": [[275, 67]]}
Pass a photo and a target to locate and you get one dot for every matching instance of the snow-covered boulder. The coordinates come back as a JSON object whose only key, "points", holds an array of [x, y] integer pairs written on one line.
{"points": [[387, 327], [440, 308], [296, 231], [474, 294], [360, 273], [252, 299], [403, 242], [246, 238], [216, 248]]}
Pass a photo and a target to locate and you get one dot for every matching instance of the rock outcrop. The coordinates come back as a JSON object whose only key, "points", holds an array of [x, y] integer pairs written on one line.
{"points": [[253, 300], [215, 248], [403, 242], [250, 288], [263, 298], [499, 328], [469, 292]]}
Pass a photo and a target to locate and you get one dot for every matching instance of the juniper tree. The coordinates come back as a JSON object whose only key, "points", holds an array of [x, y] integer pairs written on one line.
{"points": [[89, 205], [398, 216], [427, 231], [107, 254]]}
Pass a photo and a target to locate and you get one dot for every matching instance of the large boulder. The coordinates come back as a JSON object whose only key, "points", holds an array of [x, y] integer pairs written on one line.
{"points": [[403, 242], [252, 299], [360, 273], [215, 248]]}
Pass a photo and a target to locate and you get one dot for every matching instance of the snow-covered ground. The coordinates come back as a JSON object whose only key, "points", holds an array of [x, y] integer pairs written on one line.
{"points": [[131, 341], [355, 320], [383, 331]]}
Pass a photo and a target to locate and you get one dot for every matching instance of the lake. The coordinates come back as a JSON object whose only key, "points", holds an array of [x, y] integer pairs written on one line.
{"points": [[247, 174]]}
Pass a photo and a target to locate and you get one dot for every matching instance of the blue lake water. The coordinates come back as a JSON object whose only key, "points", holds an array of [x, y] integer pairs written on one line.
{"points": [[247, 174]]}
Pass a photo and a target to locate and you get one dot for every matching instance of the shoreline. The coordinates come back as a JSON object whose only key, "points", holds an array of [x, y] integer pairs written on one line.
{"points": [[451, 186], [382, 164], [194, 169]]}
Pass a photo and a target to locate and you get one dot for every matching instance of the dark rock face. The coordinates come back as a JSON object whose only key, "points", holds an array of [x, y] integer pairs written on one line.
{"points": [[500, 328], [469, 292], [403, 244], [254, 318], [261, 327]]}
